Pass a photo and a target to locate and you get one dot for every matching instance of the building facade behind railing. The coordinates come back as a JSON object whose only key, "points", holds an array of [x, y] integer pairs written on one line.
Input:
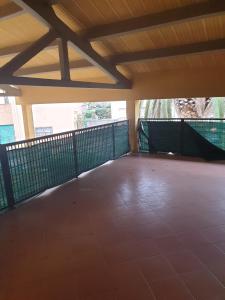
{"points": [[32, 166]]}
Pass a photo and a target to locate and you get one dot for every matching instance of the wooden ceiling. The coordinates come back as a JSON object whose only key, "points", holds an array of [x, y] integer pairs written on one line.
{"points": [[92, 18]]}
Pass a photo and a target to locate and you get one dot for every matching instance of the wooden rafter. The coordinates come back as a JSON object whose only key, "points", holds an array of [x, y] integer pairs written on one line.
{"points": [[202, 47], [181, 14]]}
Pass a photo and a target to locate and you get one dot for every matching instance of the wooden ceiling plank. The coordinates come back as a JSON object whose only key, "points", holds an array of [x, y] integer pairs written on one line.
{"points": [[10, 10], [78, 64], [15, 49], [20, 59], [180, 14]]}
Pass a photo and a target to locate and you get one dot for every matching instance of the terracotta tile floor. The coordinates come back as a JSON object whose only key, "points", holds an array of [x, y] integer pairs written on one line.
{"points": [[138, 228]]}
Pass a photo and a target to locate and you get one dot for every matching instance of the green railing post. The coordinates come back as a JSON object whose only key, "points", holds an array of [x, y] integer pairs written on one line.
{"points": [[75, 152], [128, 135], [114, 143], [182, 137], [7, 176], [150, 147]]}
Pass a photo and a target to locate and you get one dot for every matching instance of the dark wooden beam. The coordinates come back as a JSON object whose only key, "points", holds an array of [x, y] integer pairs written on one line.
{"points": [[20, 59], [57, 83], [195, 48], [10, 10], [181, 14], [64, 59], [44, 11]]}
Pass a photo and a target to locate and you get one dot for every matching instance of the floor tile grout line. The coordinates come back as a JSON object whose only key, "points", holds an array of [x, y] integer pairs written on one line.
{"points": [[202, 263], [147, 283], [178, 274]]}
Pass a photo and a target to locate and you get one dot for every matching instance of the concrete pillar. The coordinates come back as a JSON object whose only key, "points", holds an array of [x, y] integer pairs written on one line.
{"points": [[132, 108], [28, 121]]}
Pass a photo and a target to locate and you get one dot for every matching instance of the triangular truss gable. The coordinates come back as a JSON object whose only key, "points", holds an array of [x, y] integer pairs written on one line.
{"points": [[60, 31]]}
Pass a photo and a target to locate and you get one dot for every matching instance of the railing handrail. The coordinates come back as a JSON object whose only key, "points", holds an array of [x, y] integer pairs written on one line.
{"points": [[62, 133], [200, 119]]}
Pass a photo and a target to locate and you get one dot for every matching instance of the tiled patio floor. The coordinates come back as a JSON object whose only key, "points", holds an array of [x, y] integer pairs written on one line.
{"points": [[139, 228]]}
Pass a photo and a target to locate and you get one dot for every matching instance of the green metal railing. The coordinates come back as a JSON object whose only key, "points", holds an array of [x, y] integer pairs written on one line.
{"points": [[191, 137], [32, 166]]}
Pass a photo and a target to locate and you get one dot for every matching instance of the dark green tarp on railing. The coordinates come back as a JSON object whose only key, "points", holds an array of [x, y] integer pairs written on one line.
{"points": [[192, 137]]}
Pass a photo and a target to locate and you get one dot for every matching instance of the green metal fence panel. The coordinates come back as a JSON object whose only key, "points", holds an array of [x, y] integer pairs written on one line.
{"points": [[32, 166], [121, 137], [40, 164], [94, 147], [3, 200]]}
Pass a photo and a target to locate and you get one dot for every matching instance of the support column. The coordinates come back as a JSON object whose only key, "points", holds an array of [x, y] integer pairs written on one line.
{"points": [[28, 121], [132, 107]]}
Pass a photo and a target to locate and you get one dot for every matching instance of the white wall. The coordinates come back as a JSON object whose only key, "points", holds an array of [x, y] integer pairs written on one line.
{"points": [[11, 114], [60, 117], [5, 114], [118, 109]]}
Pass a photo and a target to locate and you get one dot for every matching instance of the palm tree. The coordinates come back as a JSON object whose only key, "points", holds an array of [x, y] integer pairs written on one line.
{"points": [[160, 108], [193, 107], [185, 108], [219, 107]]}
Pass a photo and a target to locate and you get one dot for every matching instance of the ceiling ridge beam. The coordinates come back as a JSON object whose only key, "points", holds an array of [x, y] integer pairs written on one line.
{"points": [[188, 49], [150, 21], [20, 59], [45, 12]]}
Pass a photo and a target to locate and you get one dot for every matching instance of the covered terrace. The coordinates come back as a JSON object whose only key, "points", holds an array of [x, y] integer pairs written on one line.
{"points": [[85, 214]]}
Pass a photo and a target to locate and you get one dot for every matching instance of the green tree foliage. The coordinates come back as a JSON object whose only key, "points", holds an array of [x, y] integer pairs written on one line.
{"points": [[98, 111]]}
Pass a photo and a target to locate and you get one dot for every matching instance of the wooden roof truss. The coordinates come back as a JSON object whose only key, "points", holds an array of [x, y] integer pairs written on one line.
{"points": [[59, 34]]}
